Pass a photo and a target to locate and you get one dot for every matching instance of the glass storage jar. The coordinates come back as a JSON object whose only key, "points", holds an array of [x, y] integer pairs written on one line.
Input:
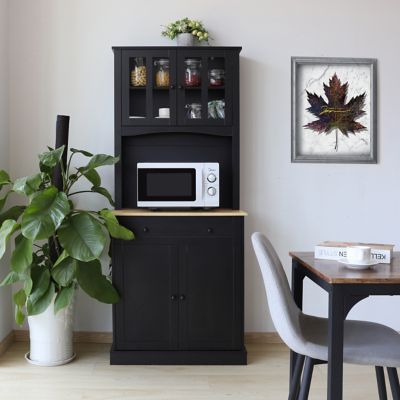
{"points": [[193, 72], [194, 111], [162, 72], [217, 77], [138, 73]]}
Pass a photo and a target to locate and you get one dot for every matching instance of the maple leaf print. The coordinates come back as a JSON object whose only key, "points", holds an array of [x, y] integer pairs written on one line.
{"points": [[336, 114]]}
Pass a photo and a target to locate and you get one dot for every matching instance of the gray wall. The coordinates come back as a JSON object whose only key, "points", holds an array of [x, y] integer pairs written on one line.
{"points": [[5, 293], [61, 62]]}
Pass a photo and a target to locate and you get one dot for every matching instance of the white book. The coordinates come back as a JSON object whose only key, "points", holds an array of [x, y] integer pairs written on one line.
{"points": [[381, 253]]}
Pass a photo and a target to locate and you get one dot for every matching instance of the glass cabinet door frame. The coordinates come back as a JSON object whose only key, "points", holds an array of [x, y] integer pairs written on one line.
{"points": [[204, 90], [150, 90]]}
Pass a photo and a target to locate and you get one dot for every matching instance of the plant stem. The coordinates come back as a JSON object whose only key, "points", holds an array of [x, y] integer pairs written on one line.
{"points": [[81, 191]]}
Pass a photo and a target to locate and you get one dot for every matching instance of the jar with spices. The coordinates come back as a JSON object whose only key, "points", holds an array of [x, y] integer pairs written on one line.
{"points": [[162, 72], [138, 73], [193, 72], [194, 111], [216, 77]]}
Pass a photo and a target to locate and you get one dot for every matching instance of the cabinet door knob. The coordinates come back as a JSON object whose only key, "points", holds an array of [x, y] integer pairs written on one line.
{"points": [[182, 297], [180, 87], [172, 87], [210, 230], [145, 229], [174, 297]]}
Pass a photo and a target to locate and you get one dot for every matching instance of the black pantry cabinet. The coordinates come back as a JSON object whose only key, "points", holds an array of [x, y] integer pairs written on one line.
{"points": [[181, 280]]}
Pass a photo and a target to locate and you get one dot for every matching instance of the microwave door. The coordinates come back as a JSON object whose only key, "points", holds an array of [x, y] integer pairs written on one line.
{"points": [[167, 187]]}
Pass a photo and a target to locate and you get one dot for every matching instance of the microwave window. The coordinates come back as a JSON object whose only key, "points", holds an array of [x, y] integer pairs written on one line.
{"points": [[167, 184]]}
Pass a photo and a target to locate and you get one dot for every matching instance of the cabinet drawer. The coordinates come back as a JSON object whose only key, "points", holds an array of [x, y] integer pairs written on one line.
{"points": [[179, 226]]}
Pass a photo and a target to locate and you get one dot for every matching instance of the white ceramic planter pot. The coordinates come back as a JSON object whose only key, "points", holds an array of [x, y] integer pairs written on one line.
{"points": [[51, 337]]}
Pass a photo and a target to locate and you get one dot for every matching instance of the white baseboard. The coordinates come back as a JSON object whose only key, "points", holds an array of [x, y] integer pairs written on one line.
{"points": [[106, 337]]}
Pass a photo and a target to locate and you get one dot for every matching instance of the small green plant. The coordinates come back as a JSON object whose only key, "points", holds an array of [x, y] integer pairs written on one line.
{"points": [[57, 246], [186, 25]]}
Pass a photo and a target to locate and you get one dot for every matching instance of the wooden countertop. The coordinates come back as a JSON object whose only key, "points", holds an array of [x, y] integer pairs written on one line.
{"points": [[143, 212], [335, 272]]}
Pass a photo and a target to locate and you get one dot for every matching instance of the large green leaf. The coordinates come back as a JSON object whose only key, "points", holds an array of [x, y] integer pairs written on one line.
{"points": [[64, 271], [45, 214], [64, 298], [51, 158], [41, 304], [40, 282], [12, 213], [12, 277], [94, 283], [93, 177], [28, 284], [21, 258], [104, 192], [19, 298], [3, 200], [6, 230], [4, 178], [28, 184], [19, 315], [116, 230], [84, 152], [100, 160], [82, 237]]}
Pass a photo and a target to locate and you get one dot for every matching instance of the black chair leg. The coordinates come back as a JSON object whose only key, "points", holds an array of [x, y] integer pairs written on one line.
{"points": [[295, 383], [380, 379], [306, 381], [394, 383]]}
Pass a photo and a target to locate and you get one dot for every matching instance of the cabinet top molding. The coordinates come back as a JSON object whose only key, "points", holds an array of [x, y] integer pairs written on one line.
{"points": [[141, 212], [203, 48]]}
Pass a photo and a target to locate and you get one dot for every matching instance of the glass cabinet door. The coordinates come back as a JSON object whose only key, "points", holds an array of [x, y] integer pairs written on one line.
{"points": [[204, 87], [148, 87]]}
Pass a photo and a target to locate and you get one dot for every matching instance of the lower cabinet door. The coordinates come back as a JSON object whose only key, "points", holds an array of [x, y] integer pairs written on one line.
{"points": [[211, 295], [146, 318]]}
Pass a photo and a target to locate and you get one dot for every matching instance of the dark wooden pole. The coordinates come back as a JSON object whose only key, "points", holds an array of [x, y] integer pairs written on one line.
{"points": [[62, 131]]}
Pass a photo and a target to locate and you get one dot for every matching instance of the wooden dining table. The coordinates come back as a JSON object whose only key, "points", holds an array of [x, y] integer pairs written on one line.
{"points": [[346, 287]]}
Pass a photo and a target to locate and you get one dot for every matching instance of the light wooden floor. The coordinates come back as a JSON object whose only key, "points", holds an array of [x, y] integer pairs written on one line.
{"points": [[91, 377]]}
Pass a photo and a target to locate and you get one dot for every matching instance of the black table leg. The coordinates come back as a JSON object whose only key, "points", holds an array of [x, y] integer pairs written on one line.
{"points": [[335, 343], [297, 291]]}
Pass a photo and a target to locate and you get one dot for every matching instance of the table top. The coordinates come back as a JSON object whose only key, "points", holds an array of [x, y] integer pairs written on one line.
{"points": [[215, 212], [336, 272]]}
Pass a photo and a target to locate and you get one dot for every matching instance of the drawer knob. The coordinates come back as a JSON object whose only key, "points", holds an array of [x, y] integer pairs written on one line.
{"points": [[145, 229], [210, 230], [174, 297], [182, 297]]}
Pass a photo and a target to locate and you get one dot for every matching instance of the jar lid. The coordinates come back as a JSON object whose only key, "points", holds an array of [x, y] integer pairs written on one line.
{"points": [[162, 61], [195, 105], [217, 71], [192, 61]]}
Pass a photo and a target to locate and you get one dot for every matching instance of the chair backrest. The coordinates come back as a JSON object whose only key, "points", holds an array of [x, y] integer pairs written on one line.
{"points": [[284, 311]]}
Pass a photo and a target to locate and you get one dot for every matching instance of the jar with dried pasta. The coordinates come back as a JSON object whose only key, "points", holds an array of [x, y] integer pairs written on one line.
{"points": [[162, 72], [139, 73]]}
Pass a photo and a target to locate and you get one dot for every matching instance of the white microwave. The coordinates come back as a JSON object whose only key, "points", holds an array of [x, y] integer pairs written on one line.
{"points": [[178, 185]]}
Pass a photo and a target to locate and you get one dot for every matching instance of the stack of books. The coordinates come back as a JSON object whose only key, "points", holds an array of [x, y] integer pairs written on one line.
{"points": [[328, 250]]}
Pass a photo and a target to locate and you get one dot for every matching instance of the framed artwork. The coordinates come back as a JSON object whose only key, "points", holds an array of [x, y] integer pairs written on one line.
{"points": [[334, 110]]}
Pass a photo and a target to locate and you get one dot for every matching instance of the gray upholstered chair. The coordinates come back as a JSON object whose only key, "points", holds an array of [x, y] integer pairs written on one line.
{"points": [[365, 343]]}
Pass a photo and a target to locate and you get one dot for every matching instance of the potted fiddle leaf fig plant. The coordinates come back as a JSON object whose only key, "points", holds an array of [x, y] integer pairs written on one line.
{"points": [[58, 248]]}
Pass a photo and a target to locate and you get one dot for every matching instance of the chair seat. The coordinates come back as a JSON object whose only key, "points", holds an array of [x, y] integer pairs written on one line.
{"points": [[365, 343]]}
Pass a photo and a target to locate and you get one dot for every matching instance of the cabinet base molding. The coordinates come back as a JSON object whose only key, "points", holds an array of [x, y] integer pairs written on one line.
{"points": [[178, 357]]}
